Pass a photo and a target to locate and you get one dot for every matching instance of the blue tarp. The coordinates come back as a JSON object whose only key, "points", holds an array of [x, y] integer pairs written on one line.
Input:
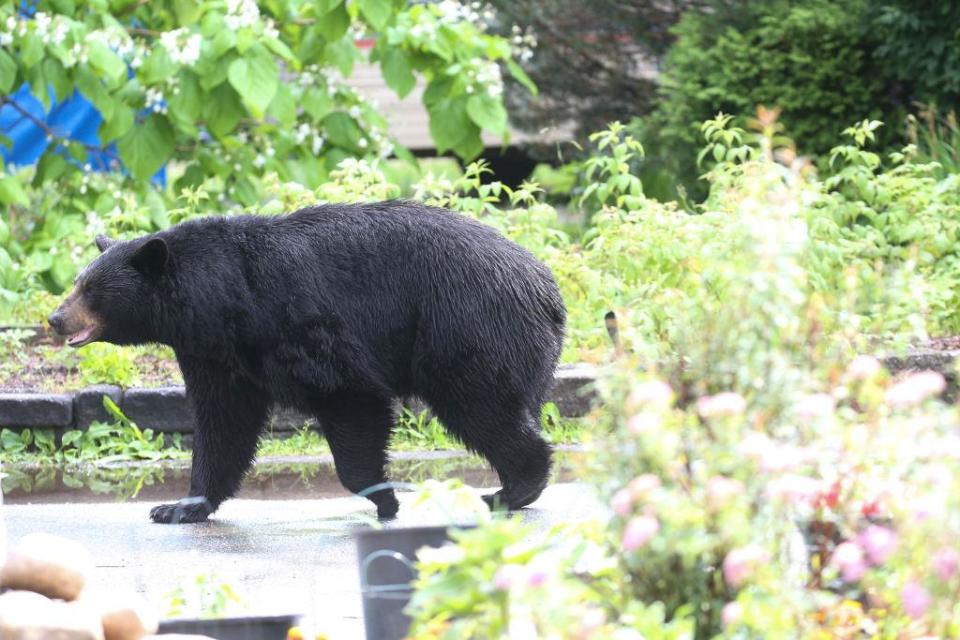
{"points": [[74, 118]]}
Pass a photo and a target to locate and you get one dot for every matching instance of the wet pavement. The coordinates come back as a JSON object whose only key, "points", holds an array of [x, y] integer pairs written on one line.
{"points": [[291, 553]]}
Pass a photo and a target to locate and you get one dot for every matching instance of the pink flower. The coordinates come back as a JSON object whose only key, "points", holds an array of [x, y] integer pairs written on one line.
{"points": [[643, 422], [621, 502], [643, 485], [879, 543], [731, 614], [640, 531], [792, 488], [945, 562], [721, 490], [727, 403], [817, 405], [652, 392], [915, 388], [863, 367], [537, 577], [741, 562], [915, 599], [928, 507], [506, 576], [848, 558]]}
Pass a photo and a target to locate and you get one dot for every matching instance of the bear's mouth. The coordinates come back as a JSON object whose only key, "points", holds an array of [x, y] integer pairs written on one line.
{"points": [[82, 337]]}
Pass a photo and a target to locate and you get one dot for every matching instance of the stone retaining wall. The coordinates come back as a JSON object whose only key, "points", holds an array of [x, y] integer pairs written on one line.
{"points": [[166, 410]]}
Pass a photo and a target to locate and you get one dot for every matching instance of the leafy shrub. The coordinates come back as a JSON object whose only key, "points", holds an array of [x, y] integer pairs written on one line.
{"points": [[103, 443], [918, 46], [813, 59]]}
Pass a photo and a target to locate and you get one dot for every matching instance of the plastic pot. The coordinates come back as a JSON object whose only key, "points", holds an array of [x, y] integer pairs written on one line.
{"points": [[386, 558], [248, 628]]}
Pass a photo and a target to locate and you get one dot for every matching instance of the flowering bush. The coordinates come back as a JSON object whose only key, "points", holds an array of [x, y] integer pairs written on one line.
{"points": [[226, 94], [762, 480]]}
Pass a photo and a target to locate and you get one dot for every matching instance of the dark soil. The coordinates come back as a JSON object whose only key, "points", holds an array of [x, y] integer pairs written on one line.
{"points": [[950, 343], [45, 363]]}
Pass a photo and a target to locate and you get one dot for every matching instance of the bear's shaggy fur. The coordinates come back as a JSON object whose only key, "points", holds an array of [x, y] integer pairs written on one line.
{"points": [[337, 310]]}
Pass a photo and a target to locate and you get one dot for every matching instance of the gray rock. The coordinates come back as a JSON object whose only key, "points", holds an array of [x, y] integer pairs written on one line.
{"points": [[162, 409], [30, 616], [88, 404], [942, 361], [36, 410], [573, 391]]}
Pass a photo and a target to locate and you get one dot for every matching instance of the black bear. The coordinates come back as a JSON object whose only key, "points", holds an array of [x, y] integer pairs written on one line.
{"points": [[336, 310]]}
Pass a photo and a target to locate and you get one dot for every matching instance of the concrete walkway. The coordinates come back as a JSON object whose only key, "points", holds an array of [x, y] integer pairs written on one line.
{"points": [[280, 556]]}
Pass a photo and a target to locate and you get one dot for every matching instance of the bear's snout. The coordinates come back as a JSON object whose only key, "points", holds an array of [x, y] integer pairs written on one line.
{"points": [[73, 320], [56, 321]]}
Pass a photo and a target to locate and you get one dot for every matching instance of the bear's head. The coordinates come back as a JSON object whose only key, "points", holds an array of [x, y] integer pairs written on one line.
{"points": [[114, 299]]}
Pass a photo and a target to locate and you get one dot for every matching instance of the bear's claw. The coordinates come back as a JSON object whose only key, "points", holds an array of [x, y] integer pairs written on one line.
{"points": [[185, 511]]}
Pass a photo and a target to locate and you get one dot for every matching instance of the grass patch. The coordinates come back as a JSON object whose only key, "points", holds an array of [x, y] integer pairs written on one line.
{"points": [[415, 432]]}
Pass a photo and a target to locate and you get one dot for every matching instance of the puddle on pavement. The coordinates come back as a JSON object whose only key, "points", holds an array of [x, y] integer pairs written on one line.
{"points": [[267, 480]]}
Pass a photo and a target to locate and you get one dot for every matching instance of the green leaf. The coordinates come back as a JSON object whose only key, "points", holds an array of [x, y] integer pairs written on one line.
{"points": [[185, 106], [8, 72], [284, 107], [470, 145], [333, 24], [107, 63], [147, 146], [317, 103], [255, 78], [157, 68], [449, 122], [342, 53], [93, 90], [188, 11], [281, 49], [31, 50], [222, 110], [225, 40], [12, 193], [51, 166], [326, 6], [117, 125], [376, 12], [56, 75], [521, 76], [343, 131], [488, 112], [397, 72]]}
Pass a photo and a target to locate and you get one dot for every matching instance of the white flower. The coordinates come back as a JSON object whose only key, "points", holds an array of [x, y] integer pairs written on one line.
{"points": [[6, 39], [259, 161], [354, 112], [915, 389]]}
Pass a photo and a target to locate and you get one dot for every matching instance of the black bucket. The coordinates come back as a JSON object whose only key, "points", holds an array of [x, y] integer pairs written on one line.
{"points": [[386, 558], [252, 628]]}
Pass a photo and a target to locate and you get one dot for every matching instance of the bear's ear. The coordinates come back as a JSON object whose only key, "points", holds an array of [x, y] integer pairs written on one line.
{"points": [[151, 258], [104, 243]]}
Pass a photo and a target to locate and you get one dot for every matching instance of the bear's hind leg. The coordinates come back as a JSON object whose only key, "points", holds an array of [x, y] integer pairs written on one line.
{"points": [[510, 440], [357, 428], [230, 413]]}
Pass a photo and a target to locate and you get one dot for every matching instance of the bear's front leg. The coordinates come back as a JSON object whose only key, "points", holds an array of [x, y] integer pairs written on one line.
{"points": [[230, 412]]}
